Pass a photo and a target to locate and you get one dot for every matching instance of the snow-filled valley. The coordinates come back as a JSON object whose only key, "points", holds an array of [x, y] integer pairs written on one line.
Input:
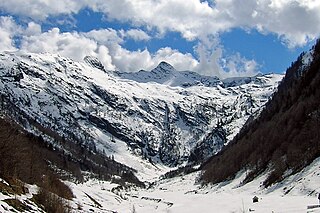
{"points": [[184, 194], [153, 122]]}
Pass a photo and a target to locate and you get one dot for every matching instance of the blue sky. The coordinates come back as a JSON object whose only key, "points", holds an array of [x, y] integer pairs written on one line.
{"points": [[223, 38], [267, 50]]}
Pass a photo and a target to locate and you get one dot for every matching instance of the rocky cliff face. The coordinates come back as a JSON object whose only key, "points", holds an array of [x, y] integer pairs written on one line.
{"points": [[164, 116]]}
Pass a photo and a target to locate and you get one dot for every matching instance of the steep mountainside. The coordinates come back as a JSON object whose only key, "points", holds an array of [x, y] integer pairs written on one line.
{"points": [[162, 116], [285, 138]]}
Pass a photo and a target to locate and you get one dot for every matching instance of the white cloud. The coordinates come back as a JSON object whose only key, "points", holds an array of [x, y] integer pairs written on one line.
{"points": [[33, 29], [191, 18], [131, 61], [40, 9], [73, 45], [210, 60], [135, 34], [294, 21], [237, 66], [106, 45], [213, 62], [177, 59], [105, 36], [8, 29]]}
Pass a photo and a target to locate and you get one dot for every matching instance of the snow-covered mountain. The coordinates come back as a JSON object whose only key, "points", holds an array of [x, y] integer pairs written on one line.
{"points": [[163, 116], [166, 74]]}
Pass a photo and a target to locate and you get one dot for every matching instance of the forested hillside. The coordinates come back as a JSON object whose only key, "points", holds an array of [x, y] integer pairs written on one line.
{"points": [[285, 137], [26, 158]]}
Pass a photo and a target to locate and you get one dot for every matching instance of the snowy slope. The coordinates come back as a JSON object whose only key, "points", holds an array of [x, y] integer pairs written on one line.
{"points": [[183, 194], [163, 116]]}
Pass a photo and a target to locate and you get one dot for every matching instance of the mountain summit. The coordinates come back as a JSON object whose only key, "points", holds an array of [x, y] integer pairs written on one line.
{"points": [[165, 67]]}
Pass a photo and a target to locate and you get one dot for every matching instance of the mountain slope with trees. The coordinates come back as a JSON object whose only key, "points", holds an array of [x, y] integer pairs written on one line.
{"points": [[29, 159], [285, 137]]}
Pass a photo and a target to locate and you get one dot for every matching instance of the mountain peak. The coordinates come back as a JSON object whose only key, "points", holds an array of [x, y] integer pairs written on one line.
{"points": [[165, 66]]}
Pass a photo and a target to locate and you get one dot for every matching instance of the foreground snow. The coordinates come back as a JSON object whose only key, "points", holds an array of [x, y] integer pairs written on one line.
{"points": [[181, 194]]}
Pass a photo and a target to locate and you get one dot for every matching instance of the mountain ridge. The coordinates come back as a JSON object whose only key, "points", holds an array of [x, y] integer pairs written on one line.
{"points": [[160, 123]]}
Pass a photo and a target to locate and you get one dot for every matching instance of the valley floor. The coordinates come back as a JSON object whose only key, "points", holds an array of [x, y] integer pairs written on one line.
{"points": [[181, 194]]}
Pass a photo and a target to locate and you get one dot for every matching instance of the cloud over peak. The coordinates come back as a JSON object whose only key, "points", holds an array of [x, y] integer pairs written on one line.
{"points": [[294, 22]]}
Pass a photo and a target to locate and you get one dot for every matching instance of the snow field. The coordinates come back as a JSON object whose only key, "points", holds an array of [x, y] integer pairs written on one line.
{"points": [[183, 195]]}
